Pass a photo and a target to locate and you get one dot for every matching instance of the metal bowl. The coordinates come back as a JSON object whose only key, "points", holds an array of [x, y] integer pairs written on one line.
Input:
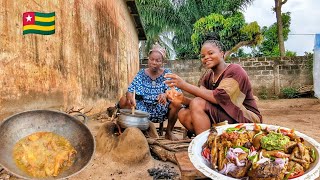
{"points": [[23, 124], [139, 119]]}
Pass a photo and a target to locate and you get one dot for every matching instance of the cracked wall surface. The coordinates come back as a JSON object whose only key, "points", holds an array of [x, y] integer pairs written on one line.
{"points": [[88, 62]]}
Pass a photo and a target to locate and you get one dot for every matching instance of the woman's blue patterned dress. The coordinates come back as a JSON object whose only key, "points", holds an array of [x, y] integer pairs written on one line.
{"points": [[147, 91]]}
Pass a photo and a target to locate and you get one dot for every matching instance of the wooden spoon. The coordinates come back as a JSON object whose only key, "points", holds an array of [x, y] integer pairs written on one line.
{"points": [[134, 99]]}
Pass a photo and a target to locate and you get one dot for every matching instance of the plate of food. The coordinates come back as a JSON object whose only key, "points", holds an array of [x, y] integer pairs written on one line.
{"points": [[255, 151]]}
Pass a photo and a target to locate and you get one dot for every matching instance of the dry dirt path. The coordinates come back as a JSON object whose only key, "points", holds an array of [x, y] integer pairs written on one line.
{"points": [[302, 115]]}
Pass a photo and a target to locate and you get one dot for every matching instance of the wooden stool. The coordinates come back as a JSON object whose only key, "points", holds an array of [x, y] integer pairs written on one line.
{"points": [[188, 171]]}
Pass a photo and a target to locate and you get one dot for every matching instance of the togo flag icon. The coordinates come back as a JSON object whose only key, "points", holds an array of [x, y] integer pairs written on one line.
{"points": [[39, 23]]}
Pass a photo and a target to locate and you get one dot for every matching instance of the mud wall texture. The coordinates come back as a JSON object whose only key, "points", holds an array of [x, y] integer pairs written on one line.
{"points": [[88, 62], [268, 75]]}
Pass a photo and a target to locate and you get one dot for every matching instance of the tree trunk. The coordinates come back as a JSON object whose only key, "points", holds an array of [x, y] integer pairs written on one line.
{"points": [[278, 5], [236, 47]]}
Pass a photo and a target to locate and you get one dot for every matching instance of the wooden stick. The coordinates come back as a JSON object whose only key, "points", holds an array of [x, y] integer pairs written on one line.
{"points": [[163, 154], [182, 146], [178, 142], [134, 99], [155, 142]]}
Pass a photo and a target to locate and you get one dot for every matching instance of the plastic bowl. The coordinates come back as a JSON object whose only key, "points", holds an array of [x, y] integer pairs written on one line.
{"points": [[195, 148]]}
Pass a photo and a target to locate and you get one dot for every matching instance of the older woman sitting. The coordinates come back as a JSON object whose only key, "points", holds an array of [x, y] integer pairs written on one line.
{"points": [[150, 90]]}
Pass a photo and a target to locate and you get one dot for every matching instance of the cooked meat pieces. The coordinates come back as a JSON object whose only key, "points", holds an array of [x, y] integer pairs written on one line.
{"points": [[240, 172], [267, 170]]}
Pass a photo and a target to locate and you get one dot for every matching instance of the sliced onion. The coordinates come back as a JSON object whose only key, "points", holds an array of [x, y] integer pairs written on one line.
{"points": [[234, 153], [238, 151], [280, 161], [252, 153], [230, 154], [263, 160], [223, 171], [228, 168], [240, 163]]}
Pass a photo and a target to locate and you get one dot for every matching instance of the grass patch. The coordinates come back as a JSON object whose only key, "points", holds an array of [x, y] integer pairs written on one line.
{"points": [[289, 92]]}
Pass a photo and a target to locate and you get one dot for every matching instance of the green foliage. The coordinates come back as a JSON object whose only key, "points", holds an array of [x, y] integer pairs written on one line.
{"points": [[289, 92], [179, 16], [156, 16], [309, 56], [263, 93], [291, 53], [240, 53], [231, 31], [204, 26], [192, 10], [251, 32], [270, 44]]}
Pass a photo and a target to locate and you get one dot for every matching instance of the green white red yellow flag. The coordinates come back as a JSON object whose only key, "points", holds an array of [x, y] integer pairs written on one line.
{"points": [[38, 23]]}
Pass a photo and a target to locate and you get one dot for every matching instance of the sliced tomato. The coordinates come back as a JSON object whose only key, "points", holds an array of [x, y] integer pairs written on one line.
{"points": [[239, 126], [284, 131], [252, 148], [281, 155], [289, 133], [206, 153], [296, 174]]}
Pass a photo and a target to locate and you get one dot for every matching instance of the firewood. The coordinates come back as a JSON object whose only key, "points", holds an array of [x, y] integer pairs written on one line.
{"points": [[163, 154], [155, 142], [178, 142], [181, 146]]}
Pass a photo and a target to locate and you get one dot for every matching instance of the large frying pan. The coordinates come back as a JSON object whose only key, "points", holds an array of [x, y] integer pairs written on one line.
{"points": [[25, 123]]}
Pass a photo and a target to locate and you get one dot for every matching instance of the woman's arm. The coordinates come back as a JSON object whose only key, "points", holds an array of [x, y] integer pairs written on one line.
{"points": [[199, 92], [202, 92]]}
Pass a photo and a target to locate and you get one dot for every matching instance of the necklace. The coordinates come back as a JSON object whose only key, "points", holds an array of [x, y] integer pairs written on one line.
{"points": [[214, 82], [153, 83]]}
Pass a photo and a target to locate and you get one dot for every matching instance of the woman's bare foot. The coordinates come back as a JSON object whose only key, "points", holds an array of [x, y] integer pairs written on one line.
{"points": [[170, 136]]}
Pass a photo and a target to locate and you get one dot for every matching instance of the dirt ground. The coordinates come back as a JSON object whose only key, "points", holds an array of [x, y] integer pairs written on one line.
{"points": [[303, 115]]}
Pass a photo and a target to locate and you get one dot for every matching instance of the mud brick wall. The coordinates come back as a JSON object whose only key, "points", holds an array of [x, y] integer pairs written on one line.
{"points": [[88, 62], [266, 74]]}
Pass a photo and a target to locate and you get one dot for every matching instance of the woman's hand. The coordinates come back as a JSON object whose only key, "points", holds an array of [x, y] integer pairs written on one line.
{"points": [[174, 80], [174, 96], [162, 98], [130, 101]]}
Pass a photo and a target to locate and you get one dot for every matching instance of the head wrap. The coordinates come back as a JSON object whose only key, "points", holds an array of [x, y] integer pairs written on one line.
{"points": [[157, 48]]}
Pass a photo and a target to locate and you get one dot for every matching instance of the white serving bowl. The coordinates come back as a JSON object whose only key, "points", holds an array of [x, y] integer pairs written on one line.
{"points": [[195, 148]]}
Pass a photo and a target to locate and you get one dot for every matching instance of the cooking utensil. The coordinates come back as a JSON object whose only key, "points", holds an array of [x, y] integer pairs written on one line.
{"points": [[25, 123], [195, 148], [134, 99], [139, 119]]}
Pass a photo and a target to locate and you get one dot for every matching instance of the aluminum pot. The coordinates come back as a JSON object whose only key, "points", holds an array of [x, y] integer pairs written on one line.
{"points": [[139, 119], [25, 123]]}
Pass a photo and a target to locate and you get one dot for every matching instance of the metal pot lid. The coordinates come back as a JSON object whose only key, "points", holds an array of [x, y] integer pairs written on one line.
{"points": [[137, 113]]}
